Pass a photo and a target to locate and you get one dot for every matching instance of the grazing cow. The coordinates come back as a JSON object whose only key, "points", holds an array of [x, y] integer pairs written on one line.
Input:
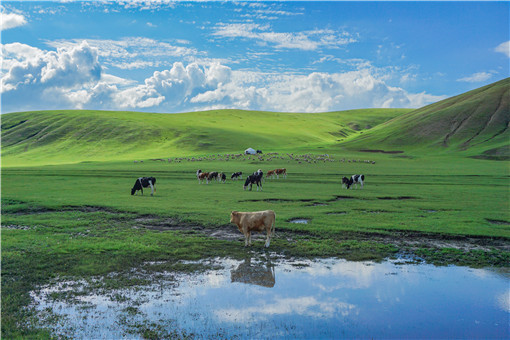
{"points": [[355, 179], [222, 177], [345, 183], [281, 171], [270, 173], [212, 175], [237, 175], [144, 182], [202, 176], [255, 178], [254, 221]]}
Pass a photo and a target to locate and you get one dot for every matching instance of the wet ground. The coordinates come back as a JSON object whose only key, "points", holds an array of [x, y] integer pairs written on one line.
{"points": [[266, 296]]}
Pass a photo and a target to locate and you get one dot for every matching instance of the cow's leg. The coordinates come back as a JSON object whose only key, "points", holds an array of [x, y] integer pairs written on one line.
{"points": [[246, 237], [152, 188], [268, 238]]}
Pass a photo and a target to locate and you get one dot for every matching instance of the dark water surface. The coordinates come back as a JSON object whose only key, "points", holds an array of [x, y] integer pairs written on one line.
{"points": [[297, 299]]}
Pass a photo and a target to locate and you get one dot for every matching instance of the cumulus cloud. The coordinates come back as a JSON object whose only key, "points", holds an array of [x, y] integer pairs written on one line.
{"points": [[476, 77], [132, 52], [72, 77], [12, 20], [504, 48], [307, 40], [36, 77], [316, 92]]}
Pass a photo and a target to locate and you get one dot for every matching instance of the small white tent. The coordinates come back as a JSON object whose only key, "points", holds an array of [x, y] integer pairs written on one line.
{"points": [[250, 151]]}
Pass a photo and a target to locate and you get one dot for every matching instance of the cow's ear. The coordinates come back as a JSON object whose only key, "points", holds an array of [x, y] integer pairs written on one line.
{"points": [[234, 212]]}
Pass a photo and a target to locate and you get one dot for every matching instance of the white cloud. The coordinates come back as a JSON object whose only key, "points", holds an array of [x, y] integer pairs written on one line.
{"points": [[132, 52], [12, 20], [73, 76], [316, 92], [477, 77], [306, 40], [504, 48], [307, 306], [44, 76]]}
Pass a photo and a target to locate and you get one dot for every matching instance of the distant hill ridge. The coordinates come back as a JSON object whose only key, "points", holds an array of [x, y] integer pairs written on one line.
{"points": [[474, 124], [50, 137]]}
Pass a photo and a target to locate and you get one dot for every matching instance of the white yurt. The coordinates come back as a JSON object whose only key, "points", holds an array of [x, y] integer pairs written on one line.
{"points": [[250, 151]]}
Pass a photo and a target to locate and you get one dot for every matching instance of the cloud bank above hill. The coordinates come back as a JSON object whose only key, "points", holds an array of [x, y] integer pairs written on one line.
{"points": [[76, 76]]}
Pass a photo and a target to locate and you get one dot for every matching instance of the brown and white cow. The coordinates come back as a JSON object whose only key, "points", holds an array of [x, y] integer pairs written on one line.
{"points": [[254, 221], [270, 173], [281, 171], [202, 177]]}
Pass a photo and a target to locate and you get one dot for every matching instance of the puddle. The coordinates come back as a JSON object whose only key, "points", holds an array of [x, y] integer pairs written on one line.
{"points": [[274, 298], [299, 220]]}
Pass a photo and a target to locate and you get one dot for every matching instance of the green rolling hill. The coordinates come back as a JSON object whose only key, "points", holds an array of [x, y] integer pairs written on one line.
{"points": [[53, 137], [473, 124]]}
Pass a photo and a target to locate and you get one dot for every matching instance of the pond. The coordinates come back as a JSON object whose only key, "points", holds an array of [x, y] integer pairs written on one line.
{"points": [[276, 298]]}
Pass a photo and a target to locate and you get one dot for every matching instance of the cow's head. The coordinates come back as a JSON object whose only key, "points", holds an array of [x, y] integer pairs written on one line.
{"points": [[234, 217], [133, 190]]}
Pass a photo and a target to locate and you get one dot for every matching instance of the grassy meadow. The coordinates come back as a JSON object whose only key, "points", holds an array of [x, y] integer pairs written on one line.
{"points": [[67, 209], [79, 220]]}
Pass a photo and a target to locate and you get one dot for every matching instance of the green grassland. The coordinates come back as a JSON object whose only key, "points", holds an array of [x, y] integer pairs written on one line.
{"points": [[67, 209], [471, 124], [58, 137]]}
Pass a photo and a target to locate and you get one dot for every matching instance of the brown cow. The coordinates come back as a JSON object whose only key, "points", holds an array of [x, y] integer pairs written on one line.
{"points": [[254, 221], [202, 176], [281, 171], [270, 173]]}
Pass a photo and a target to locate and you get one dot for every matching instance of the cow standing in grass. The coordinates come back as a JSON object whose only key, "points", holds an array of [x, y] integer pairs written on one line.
{"points": [[255, 178], [355, 179], [282, 172], [144, 182], [237, 175], [254, 221]]}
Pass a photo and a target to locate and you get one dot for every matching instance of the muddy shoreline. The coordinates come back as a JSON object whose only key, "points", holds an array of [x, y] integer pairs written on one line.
{"points": [[401, 239]]}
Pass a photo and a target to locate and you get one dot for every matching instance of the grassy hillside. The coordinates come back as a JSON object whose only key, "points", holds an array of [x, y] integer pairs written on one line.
{"points": [[474, 123], [53, 137]]}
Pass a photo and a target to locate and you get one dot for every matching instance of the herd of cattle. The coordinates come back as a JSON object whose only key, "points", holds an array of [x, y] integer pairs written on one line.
{"points": [[246, 221]]}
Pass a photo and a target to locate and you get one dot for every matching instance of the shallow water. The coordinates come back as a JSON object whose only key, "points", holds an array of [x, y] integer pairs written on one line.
{"points": [[298, 299], [299, 220]]}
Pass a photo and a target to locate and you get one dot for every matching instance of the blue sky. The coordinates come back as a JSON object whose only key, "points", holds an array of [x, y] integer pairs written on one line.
{"points": [[275, 56]]}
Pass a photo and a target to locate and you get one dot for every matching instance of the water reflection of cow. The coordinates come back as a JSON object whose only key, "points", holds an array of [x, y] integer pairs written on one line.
{"points": [[261, 274]]}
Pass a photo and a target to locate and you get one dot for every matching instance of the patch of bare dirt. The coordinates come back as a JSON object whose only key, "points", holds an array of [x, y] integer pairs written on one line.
{"points": [[401, 239], [381, 151]]}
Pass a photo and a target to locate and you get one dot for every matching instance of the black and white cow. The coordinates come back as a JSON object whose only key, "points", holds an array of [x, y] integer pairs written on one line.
{"points": [[355, 179], [144, 182], [345, 183], [255, 178], [237, 175], [222, 177], [212, 175]]}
